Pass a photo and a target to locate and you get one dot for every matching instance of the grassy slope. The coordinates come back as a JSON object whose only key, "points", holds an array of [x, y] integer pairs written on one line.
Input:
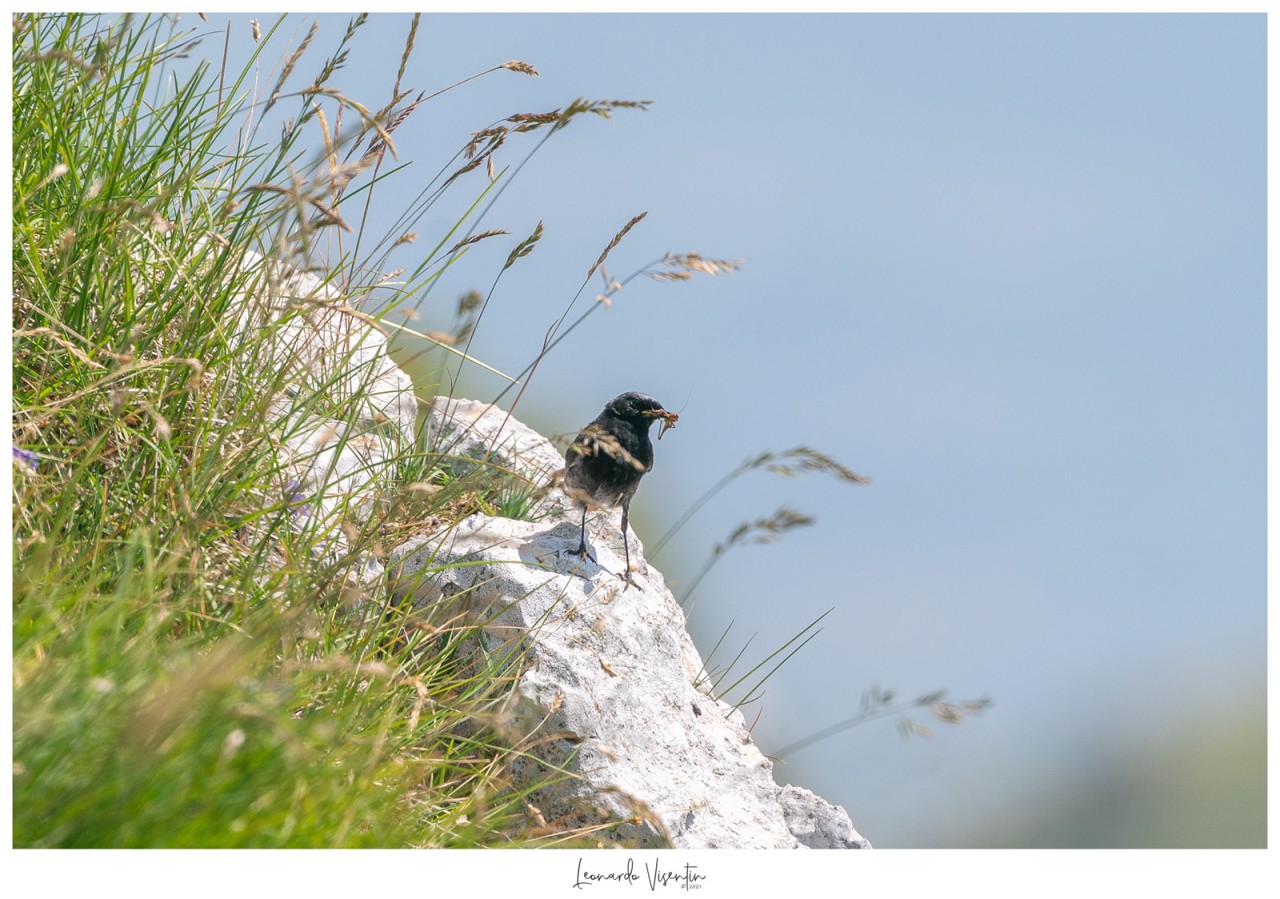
{"points": [[188, 669]]}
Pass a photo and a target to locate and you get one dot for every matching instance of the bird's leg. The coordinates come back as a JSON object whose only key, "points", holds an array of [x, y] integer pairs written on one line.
{"points": [[582, 544], [626, 549]]}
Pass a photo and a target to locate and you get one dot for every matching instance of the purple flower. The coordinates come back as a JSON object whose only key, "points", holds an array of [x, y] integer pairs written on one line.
{"points": [[297, 500], [26, 458]]}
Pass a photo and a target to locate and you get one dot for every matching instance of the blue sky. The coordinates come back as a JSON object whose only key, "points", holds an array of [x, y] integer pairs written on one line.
{"points": [[1012, 268]]}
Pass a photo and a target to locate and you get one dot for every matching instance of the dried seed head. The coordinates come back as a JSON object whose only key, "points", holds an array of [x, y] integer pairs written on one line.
{"points": [[617, 238], [515, 65]]}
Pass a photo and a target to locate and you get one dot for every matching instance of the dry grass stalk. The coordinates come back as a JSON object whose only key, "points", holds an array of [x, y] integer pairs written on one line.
{"points": [[525, 247], [617, 238], [602, 108], [764, 530], [289, 65], [380, 144], [670, 276], [485, 142], [474, 238], [801, 459], [328, 214], [680, 266], [338, 60], [515, 65], [528, 121], [598, 441], [408, 49]]}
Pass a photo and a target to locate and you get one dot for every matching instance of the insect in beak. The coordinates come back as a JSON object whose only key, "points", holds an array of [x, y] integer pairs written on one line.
{"points": [[669, 420]]}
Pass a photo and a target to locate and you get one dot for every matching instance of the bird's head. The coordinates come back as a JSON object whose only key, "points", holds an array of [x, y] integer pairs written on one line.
{"points": [[640, 407]]}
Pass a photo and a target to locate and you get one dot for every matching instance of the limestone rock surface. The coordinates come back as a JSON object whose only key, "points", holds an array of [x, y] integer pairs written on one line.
{"points": [[609, 675]]}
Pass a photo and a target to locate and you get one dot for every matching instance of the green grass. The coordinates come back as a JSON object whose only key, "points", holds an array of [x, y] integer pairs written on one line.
{"points": [[191, 666]]}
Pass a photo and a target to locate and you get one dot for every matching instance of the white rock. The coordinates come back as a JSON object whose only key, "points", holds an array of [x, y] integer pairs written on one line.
{"points": [[610, 677], [816, 823], [610, 685], [330, 463], [482, 431]]}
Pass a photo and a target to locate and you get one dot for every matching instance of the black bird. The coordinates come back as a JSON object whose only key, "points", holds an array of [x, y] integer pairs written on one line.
{"points": [[605, 462]]}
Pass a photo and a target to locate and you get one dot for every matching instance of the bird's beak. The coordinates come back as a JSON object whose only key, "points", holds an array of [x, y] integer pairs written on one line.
{"points": [[669, 420]]}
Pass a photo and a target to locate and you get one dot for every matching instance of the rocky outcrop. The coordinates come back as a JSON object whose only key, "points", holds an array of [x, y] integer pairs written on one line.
{"points": [[609, 676], [610, 694]]}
